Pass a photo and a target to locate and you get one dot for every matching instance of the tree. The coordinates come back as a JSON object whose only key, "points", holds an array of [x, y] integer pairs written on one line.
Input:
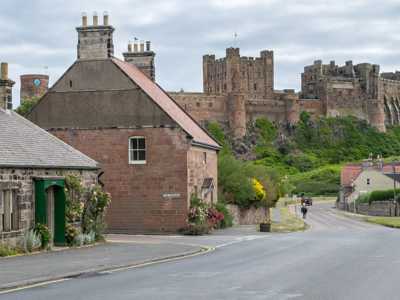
{"points": [[26, 105]]}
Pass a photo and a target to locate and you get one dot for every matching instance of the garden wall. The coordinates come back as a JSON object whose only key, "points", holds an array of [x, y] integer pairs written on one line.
{"points": [[378, 208], [250, 216]]}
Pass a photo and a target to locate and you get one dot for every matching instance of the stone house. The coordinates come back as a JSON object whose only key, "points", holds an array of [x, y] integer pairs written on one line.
{"points": [[358, 179], [33, 166], [154, 155]]}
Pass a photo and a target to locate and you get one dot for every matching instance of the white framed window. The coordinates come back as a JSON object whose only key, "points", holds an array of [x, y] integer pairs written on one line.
{"points": [[137, 150]]}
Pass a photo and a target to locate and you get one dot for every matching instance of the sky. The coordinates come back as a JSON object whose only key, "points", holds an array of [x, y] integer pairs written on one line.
{"points": [[39, 36]]}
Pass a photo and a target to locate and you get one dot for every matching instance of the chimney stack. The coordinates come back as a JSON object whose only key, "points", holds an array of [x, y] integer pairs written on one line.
{"points": [[105, 18], [95, 41], [4, 71], [5, 88], [84, 19], [142, 57], [95, 19]]}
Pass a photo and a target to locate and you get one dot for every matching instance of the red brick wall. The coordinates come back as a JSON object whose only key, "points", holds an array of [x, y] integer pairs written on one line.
{"points": [[137, 191], [199, 169]]}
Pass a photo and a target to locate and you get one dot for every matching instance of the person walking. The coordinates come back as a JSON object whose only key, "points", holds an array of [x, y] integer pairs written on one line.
{"points": [[304, 211]]}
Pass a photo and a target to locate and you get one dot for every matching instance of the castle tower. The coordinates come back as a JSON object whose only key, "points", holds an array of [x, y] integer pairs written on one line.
{"points": [[5, 88], [95, 41], [33, 86], [268, 69], [236, 97], [142, 57], [376, 114]]}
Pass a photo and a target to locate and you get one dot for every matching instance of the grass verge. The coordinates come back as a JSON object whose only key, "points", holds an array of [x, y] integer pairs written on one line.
{"points": [[393, 222], [288, 223]]}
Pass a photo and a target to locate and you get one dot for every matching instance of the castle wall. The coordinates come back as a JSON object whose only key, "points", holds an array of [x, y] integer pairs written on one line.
{"points": [[389, 96], [203, 107], [312, 106]]}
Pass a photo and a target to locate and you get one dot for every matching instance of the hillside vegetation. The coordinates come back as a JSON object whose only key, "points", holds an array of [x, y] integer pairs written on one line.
{"points": [[307, 158]]}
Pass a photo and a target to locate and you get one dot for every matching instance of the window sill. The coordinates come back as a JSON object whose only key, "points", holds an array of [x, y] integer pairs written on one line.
{"points": [[138, 162]]}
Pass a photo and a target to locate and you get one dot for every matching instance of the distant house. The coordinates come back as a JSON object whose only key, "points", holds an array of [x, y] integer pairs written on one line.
{"points": [[33, 166], [155, 156], [357, 179]]}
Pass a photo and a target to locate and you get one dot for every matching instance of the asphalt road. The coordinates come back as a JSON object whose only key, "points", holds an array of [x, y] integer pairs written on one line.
{"points": [[338, 258]]}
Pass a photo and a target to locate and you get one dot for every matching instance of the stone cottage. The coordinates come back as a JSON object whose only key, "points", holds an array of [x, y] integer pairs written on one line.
{"points": [[33, 166], [154, 155], [368, 176]]}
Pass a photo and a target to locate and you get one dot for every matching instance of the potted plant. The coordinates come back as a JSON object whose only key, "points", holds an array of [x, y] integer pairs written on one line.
{"points": [[265, 226]]}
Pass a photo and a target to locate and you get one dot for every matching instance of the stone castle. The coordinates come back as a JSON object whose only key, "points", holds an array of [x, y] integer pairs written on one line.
{"points": [[237, 89]]}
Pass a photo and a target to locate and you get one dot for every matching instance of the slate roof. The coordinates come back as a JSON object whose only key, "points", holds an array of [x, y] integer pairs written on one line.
{"points": [[167, 104], [23, 144]]}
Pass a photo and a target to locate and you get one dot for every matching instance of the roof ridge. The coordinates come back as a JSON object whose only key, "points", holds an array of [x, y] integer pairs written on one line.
{"points": [[122, 64]]}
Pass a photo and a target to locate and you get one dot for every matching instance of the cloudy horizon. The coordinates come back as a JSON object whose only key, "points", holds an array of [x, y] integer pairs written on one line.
{"points": [[40, 36]]}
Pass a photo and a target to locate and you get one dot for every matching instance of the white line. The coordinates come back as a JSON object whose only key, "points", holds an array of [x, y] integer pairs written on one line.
{"points": [[33, 286]]}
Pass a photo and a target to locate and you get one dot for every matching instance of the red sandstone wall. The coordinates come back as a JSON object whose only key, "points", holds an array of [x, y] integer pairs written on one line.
{"points": [[139, 200], [199, 169]]}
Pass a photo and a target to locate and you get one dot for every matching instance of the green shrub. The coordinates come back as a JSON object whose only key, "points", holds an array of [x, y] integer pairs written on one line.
{"points": [[321, 181], [71, 232], [383, 195], [45, 235], [7, 250], [268, 131], [228, 219]]}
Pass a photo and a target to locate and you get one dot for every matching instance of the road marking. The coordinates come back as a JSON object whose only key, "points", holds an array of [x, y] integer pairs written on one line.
{"points": [[33, 286]]}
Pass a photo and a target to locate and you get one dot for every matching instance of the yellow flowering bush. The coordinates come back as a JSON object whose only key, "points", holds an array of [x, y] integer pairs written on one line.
{"points": [[259, 189]]}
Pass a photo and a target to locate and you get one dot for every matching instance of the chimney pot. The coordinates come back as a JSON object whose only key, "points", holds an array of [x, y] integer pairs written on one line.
{"points": [[130, 47], [84, 19], [141, 47], [135, 47], [95, 19], [148, 45], [4, 71], [105, 18]]}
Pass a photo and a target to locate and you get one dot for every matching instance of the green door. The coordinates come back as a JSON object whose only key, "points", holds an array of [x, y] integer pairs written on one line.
{"points": [[42, 214]]}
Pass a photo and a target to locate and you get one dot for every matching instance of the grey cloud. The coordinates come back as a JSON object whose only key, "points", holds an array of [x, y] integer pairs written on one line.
{"points": [[42, 33]]}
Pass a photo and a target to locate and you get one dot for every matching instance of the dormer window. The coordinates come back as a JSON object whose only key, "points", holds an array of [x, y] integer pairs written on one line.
{"points": [[137, 150]]}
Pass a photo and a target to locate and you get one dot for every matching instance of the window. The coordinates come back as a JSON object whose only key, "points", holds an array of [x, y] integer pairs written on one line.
{"points": [[137, 150], [8, 211], [70, 83], [368, 181], [255, 86], [204, 157]]}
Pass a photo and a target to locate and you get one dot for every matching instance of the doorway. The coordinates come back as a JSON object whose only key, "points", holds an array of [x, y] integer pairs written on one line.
{"points": [[50, 207]]}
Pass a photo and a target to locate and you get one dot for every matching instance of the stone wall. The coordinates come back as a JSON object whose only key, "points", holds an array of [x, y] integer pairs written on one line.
{"points": [[250, 216], [378, 208], [22, 181]]}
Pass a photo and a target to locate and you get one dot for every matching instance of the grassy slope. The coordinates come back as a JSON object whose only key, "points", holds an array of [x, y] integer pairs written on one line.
{"points": [[393, 222]]}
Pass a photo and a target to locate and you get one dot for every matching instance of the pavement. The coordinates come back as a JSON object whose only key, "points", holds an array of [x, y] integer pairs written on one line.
{"points": [[337, 258], [32, 269]]}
